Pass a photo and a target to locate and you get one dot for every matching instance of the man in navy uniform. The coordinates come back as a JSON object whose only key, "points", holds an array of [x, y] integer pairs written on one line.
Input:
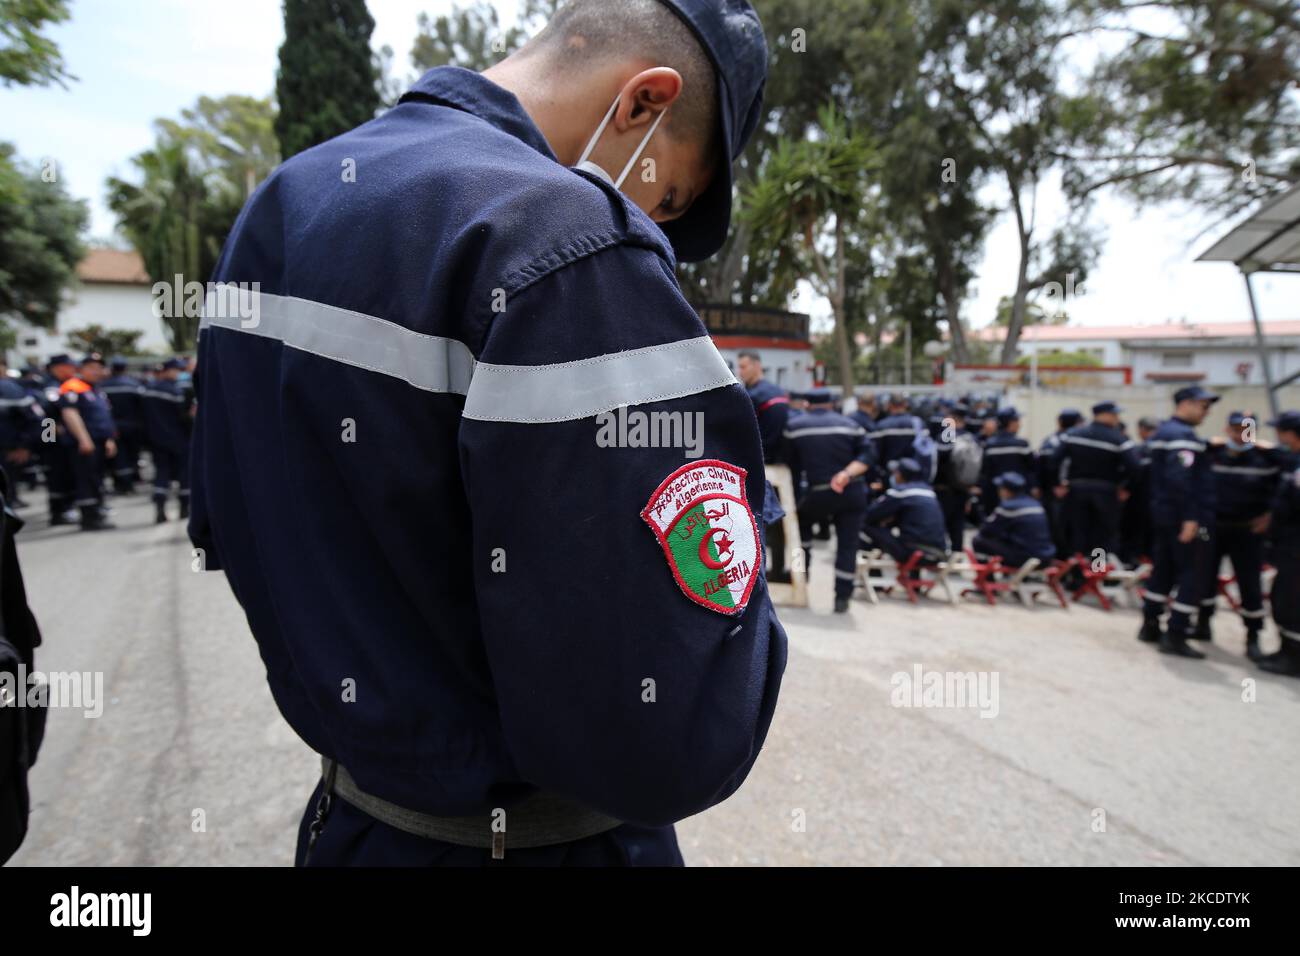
{"points": [[1135, 517], [1054, 504], [57, 454], [1284, 553], [896, 434], [1017, 530], [952, 494], [772, 409], [907, 517], [829, 455], [1005, 451], [865, 413], [20, 430], [1182, 518], [1245, 474], [544, 664], [168, 409], [89, 431], [123, 393], [1094, 464]]}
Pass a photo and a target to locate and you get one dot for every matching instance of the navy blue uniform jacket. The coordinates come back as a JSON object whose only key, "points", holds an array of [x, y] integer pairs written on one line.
{"points": [[397, 464]]}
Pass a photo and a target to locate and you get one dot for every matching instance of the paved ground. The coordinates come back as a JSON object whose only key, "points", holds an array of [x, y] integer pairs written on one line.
{"points": [[1091, 728]]}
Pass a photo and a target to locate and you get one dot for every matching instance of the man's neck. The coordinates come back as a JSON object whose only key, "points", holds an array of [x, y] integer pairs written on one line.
{"points": [[559, 117]]}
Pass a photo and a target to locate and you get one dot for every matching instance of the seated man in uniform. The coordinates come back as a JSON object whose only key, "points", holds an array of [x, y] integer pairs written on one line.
{"points": [[1017, 530], [906, 518]]}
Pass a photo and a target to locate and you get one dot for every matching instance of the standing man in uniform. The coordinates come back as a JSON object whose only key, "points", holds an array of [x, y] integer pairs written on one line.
{"points": [[829, 454], [1245, 475], [89, 424], [1093, 464], [1284, 531], [896, 435], [1054, 504], [540, 667], [952, 493], [1182, 518], [168, 409], [1135, 516], [772, 409], [123, 393], [20, 430], [58, 448], [1005, 451]]}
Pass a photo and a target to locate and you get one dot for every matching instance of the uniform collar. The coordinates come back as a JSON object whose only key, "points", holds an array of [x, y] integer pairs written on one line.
{"points": [[469, 91]]}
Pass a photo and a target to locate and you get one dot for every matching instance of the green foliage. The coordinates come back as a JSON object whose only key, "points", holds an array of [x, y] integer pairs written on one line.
{"points": [[1205, 109], [1060, 357], [328, 81], [107, 342], [27, 56], [188, 190], [40, 240]]}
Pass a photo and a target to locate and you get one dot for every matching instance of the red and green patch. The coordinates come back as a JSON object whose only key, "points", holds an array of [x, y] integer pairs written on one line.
{"points": [[701, 516]]}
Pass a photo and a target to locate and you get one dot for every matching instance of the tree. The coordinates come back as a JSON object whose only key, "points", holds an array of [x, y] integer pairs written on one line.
{"points": [[27, 56], [472, 36], [328, 81], [188, 190], [1205, 108], [40, 240], [107, 342], [806, 204]]}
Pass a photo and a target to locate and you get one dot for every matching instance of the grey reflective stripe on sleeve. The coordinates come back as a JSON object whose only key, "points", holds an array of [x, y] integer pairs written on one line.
{"points": [[827, 430], [533, 394], [1096, 443], [427, 362]]}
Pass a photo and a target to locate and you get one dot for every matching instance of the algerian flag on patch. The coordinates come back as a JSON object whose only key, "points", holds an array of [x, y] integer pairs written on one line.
{"points": [[700, 514]]}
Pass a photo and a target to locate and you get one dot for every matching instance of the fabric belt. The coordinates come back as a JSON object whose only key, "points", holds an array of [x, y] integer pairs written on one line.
{"points": [[542, 819]]}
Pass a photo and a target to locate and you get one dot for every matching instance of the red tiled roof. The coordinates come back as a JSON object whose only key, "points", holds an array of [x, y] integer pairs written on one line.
{"points": [[113, 265]]}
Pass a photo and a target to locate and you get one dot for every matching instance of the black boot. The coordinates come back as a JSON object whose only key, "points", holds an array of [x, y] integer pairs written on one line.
{"points": [[1202, 632], [92, 519], [1150, 632], [1285, 662], [841, 605], [185, 508], [1252, 645], [160, 512], [1175, 643]]}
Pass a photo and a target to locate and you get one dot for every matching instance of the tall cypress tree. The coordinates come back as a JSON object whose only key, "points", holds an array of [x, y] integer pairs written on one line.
{"points": [[327, 82]]}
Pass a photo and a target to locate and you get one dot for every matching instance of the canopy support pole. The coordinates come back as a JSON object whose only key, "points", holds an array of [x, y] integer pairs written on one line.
{"points": [[1259, 344]]}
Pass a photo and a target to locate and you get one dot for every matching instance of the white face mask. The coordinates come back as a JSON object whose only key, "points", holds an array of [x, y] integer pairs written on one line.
{"points": [[585, 164]]}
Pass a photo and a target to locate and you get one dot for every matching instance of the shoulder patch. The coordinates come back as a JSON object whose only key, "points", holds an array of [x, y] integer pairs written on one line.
{"points": [[701, 516]]}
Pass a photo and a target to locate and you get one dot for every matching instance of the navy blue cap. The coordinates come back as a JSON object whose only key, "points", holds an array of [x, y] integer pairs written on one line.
{"points": [[1239, 418], [1010, 479], [732, 36], [959, 409], [1287, 421], [1194, 393], [174, 363], [909, 467], [1008, 414], [61, 359], [118, 362], [818, 396], [1106, 408], [1070, 417], [92, 357]]}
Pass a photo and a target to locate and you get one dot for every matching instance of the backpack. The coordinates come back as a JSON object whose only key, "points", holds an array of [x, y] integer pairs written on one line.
{"points": [[966, 459]]}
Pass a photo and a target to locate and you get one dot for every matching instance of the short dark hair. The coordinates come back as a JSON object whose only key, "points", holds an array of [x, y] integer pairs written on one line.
{"points": [[750, 354], [584, 31]]}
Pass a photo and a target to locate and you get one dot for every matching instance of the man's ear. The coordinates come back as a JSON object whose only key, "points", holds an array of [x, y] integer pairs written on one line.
{"points": [[646, 95]]}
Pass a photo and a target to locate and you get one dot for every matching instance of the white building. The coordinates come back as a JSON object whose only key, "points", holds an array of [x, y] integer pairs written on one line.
{"points": [[114, 292], [1214, 354], [780, 338]]}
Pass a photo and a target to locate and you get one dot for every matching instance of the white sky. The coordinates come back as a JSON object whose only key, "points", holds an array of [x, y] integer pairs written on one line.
{"points": [[138, 60]]}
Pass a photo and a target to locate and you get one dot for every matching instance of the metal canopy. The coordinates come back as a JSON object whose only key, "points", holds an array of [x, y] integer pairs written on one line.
{"points": [[1268, 241]]}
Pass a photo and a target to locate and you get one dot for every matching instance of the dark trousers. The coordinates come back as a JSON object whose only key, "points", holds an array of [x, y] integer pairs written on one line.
{"points": [[1136, 525], [845, 512], [126, 466], [1246, 551], [953, 504], [88, 478], [1092, 515], [351, 837], [1012, 556], [1285, 596], [900, 549], [1057, 523], [1178, 577], [170, 464], [59, 482]]}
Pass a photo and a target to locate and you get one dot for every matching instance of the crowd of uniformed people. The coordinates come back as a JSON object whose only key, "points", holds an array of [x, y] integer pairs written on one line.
{"points": [[83, 427], [951, 473]]}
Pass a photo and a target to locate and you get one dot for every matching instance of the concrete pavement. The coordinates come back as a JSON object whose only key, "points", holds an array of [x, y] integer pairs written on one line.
{"points": [[1101, 750]]}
